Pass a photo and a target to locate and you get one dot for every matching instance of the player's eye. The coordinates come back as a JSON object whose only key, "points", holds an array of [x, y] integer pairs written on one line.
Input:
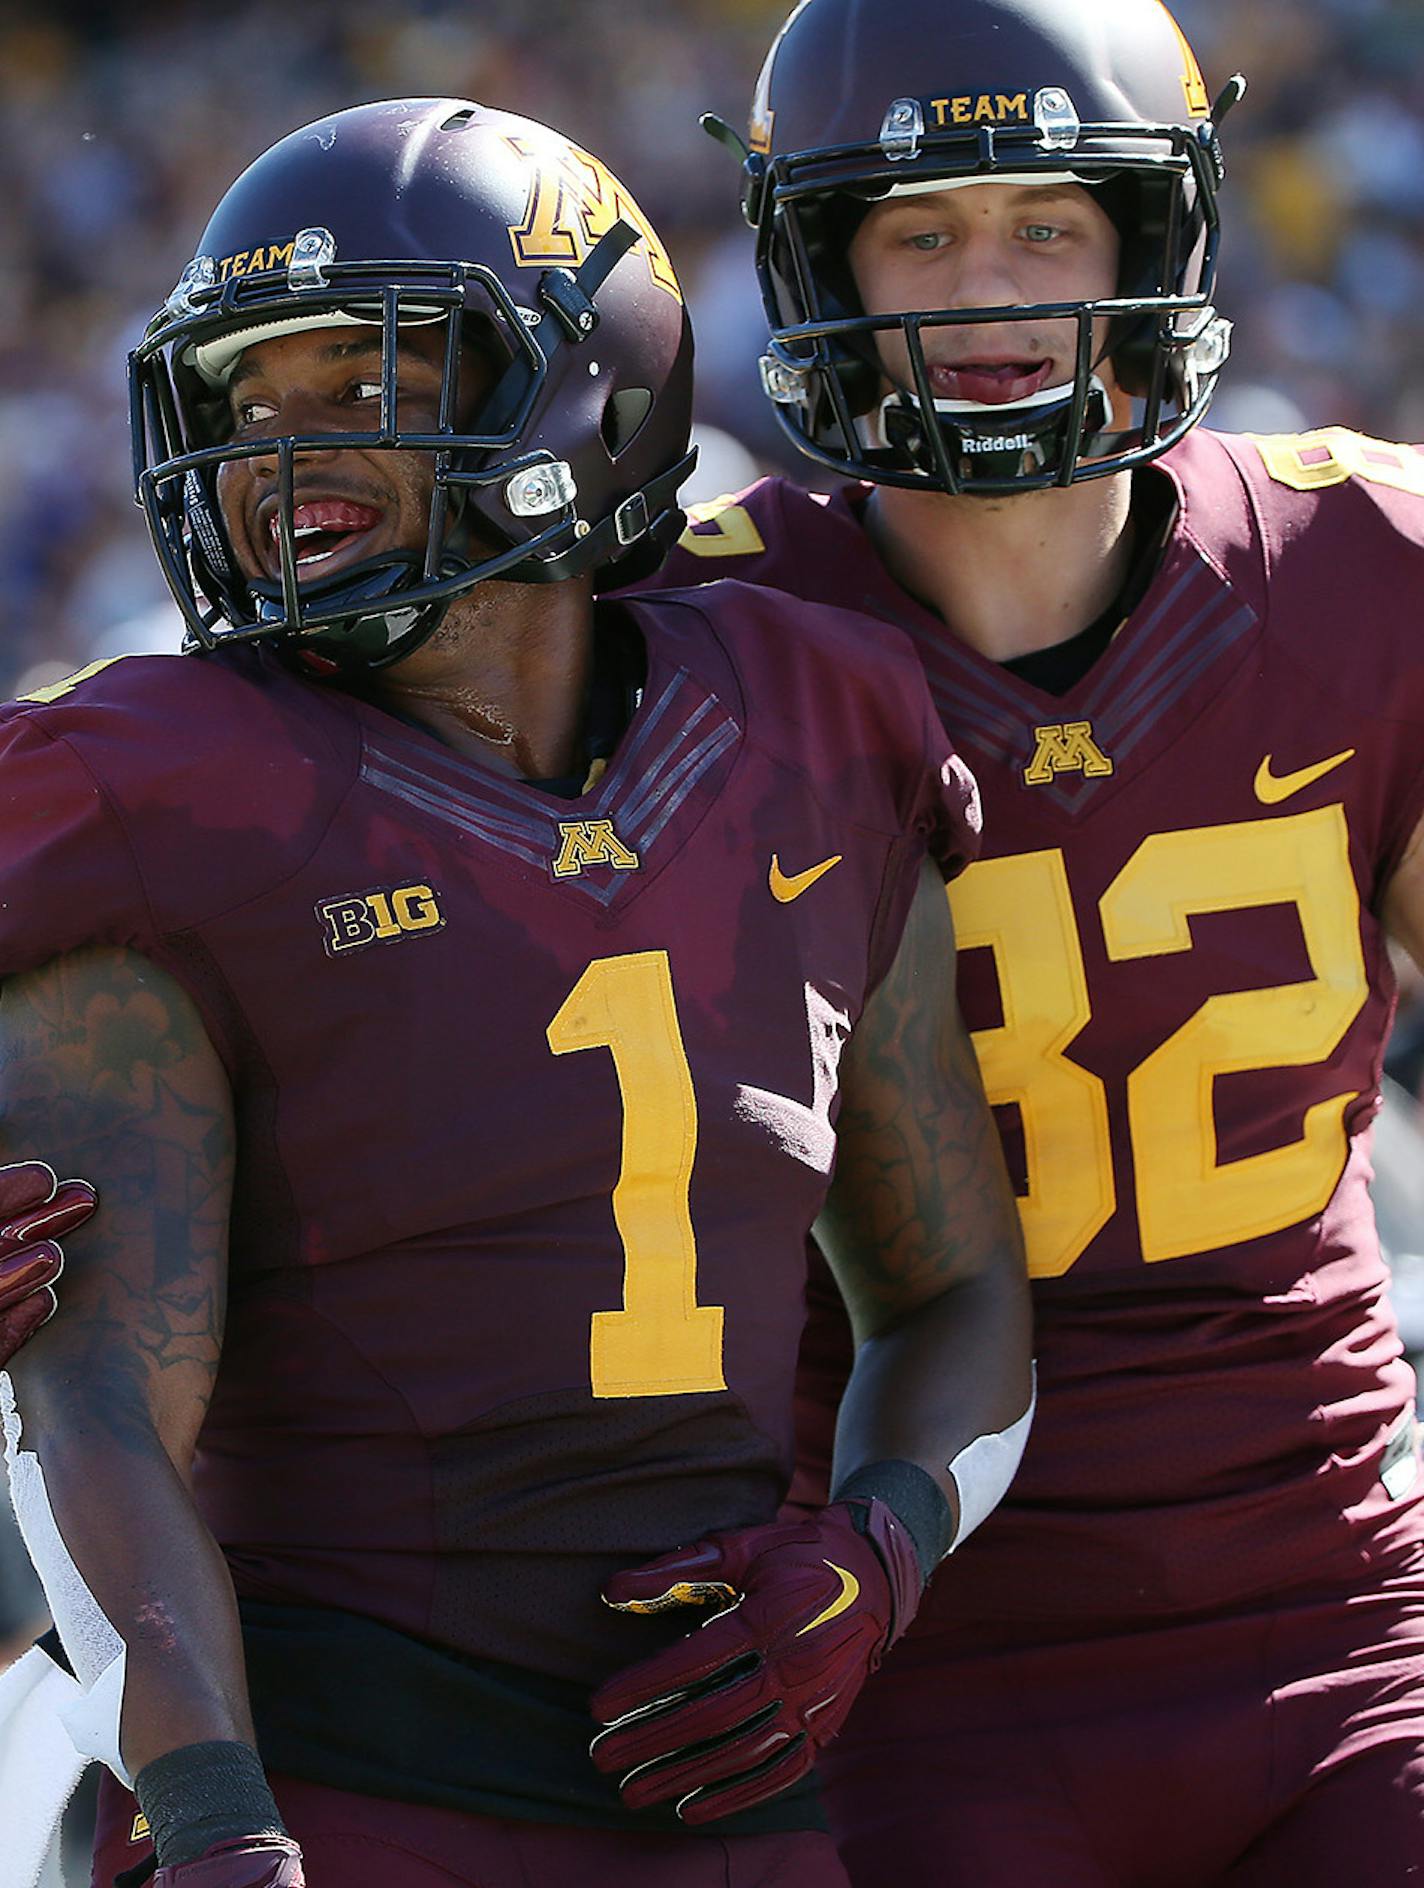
{"points": [[1041, 232], [927, 240], [253, 412], [365, 390]]}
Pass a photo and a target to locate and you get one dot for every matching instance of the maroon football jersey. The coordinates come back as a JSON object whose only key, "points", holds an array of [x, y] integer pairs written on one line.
{"points": [[535, 1095], [1172, 961]]}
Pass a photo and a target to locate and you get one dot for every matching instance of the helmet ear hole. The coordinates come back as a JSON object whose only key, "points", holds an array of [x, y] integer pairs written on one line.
{"points": [[624, 417]]}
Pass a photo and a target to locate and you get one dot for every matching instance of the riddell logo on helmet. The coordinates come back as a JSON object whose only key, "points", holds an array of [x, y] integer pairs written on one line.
{"points": [[998, 442]]}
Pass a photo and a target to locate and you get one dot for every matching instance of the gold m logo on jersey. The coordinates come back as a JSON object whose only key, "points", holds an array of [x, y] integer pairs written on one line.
{"points": [[379, 917], [1066, 747], [591, 842], [573, 202]]}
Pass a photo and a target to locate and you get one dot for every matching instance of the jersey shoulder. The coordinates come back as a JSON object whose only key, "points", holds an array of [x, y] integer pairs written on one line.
{"points": [[841, 698], [1323, 532], [774, 533], [1337, 520], [151, 715], [145, 793], [1307, 497]]}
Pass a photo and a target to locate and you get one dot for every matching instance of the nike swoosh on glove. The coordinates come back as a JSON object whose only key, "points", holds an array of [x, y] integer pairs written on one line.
{"points": [[737, 1710], [249, 1862], [35, 1210]]}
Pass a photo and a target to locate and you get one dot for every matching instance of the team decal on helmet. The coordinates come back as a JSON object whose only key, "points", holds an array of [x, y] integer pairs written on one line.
{"points": [[574, 201], [409, 213], [1044, 92]]}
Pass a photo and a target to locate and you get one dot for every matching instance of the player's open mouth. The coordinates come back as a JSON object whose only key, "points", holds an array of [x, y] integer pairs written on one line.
{"points": [[990, 383], [324, 529]]}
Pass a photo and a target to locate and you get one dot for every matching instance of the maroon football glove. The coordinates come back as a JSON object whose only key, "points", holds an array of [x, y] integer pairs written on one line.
{"points": [[35, 1209], [249, 1862], [737, 1710]]}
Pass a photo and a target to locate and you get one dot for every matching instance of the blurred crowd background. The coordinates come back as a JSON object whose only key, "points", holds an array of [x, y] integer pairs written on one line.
{"points": [[121, 125]]}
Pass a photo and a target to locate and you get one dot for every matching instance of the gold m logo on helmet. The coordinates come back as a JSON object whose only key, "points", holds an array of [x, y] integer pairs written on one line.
{"points": [[573, 202], [1193, 84], [591, 842], [1066, 747], [762, 117]]}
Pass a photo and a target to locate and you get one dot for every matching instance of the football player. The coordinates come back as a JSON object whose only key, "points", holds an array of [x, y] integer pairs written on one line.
{"points": [[1187, 672], [452, 984]]}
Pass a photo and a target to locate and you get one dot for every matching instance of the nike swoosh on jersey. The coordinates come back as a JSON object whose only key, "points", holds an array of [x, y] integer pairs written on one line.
{"points": [[1271, 789], [847, 1597], [784, 889]]}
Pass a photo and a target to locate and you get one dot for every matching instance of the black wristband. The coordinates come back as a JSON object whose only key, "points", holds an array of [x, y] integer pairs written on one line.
{"points": [[202, 1794], [914, 1497]]}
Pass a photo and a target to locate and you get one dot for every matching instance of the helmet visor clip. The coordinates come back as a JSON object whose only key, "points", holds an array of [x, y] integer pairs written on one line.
{"points": [[1056, 116], [312, 250], [902, 129], [541, 489], [782, 384], [197, 279]]}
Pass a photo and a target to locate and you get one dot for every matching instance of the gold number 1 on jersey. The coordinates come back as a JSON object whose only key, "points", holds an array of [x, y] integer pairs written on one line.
{"points": [[662, 1343]]}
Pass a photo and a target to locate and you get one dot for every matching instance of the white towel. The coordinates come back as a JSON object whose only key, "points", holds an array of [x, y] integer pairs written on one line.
{"points": [[93, 1711], [39, 1768]]}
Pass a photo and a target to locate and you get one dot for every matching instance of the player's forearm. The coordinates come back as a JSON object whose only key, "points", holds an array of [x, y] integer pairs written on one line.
{"points": [[922, 1233], [931, 1386], [129, 1525], [105, 1061]]}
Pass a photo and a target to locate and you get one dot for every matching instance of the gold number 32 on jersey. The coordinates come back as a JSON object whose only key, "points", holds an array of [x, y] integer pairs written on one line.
{"points": [[1187, 1199]]}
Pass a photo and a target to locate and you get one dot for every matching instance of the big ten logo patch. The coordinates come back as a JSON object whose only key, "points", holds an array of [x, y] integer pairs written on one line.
{"points": [[1066, 747], [573, 203], [378, 917], [586, 842]]}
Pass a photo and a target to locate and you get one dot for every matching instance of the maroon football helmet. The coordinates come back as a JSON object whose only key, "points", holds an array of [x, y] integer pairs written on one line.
{"points": [[858, 101], [426, 211]]}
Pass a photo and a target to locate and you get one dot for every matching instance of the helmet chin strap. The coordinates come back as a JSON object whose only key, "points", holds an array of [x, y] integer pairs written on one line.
{"points": [[379, 628], [989, 442]]}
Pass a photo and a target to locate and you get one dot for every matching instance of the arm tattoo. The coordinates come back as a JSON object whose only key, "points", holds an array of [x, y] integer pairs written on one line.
{"points": [[920, 1199], [106, 1070]]}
